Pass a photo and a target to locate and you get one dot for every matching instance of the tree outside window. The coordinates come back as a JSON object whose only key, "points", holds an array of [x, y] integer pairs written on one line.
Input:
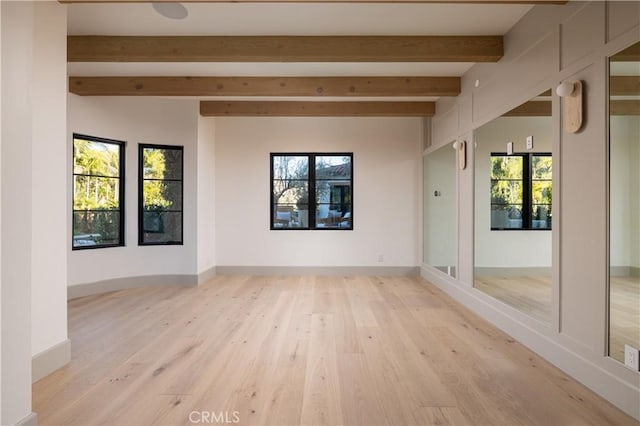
{"points": [[521, 191], [98, 192], [161, 194]]}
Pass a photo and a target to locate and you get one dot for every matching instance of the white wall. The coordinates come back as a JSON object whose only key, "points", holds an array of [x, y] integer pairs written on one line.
{"points": [[137, 120], [17, 60], [623, 214], [507, 249], [206, 195], [387, 175], [439, 222], [50, 178]]}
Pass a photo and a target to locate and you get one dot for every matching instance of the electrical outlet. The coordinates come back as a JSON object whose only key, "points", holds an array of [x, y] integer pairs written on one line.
{"points": [[631, 357], [529, 142], [380, 258]]}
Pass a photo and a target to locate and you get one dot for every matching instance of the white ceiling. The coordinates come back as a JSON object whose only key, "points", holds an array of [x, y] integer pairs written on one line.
{"points": [[296, 19], [289, 19]]}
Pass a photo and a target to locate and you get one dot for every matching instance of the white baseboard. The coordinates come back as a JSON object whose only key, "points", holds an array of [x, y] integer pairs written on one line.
{"points": [[99, 287], [319, 270], [620, 393], [49, 360], [206, 275], [30, 420], [625, 271], [482, 271]]}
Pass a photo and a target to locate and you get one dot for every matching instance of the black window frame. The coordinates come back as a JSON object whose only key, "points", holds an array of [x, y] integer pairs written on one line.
{"points": [[122, 145], [311, 182], [142, 179], [527, 190]]}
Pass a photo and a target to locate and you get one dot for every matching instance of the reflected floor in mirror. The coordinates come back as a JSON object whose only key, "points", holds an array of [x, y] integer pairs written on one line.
{"points": [[532, 296], [624, 313]]}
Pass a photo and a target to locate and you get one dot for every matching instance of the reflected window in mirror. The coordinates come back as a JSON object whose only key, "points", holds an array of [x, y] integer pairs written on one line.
{"points": [[513, 192], [624, 202], [521, 186], [440, 227]]}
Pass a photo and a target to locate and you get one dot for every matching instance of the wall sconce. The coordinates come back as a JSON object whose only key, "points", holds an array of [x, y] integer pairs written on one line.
{"points": [[461, 148], [571, 94]]}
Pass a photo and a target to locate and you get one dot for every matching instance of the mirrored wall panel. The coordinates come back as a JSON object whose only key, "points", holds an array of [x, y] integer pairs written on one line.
{"points": [[624, 202], [514, 207], [440, 214]]}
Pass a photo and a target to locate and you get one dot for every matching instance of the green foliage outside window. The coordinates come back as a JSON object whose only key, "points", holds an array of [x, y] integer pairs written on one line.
{"points": [[506, 180], [96, 168], [97, 191], [160, 220], [154, 163], [521, 191]]}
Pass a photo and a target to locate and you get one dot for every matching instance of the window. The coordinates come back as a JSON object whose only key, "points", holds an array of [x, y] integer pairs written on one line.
{"points": [[521, 187], [98, 192], [160, 220], [329, 180]]}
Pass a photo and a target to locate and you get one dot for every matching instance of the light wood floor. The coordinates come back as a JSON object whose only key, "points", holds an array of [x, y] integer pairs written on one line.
{"points": [[532, 295], [303, 350]]}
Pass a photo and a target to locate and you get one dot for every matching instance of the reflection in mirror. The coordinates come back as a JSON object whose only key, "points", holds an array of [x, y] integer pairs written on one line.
{"points": [[624, 202], [440, 248], [513, 208]]}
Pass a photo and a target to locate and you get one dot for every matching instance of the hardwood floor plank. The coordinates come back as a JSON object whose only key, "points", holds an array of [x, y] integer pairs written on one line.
{"points": [[387, 381], [358, 391], [343, 320], [321, 395]]}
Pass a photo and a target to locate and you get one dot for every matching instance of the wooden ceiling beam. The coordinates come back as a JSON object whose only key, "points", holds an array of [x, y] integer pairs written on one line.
{"points": [[315, 109], [265, 86], [531, 109], [624, 107], [284, 48], [630, 54], [624, 85], [543, 108]]}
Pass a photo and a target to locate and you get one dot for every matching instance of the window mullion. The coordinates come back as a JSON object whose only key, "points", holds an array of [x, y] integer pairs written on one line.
{"points": [[122, 173], [527, 192], [271, 197], [312, 192]]}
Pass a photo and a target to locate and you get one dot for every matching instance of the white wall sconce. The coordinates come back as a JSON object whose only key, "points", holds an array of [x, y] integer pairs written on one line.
{"points": [[571, 94], [461, 148]]}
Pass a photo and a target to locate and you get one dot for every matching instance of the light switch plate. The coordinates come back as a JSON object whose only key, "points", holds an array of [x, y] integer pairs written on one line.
{"points": [[529, 142], [631, 357], [509, 148]]}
